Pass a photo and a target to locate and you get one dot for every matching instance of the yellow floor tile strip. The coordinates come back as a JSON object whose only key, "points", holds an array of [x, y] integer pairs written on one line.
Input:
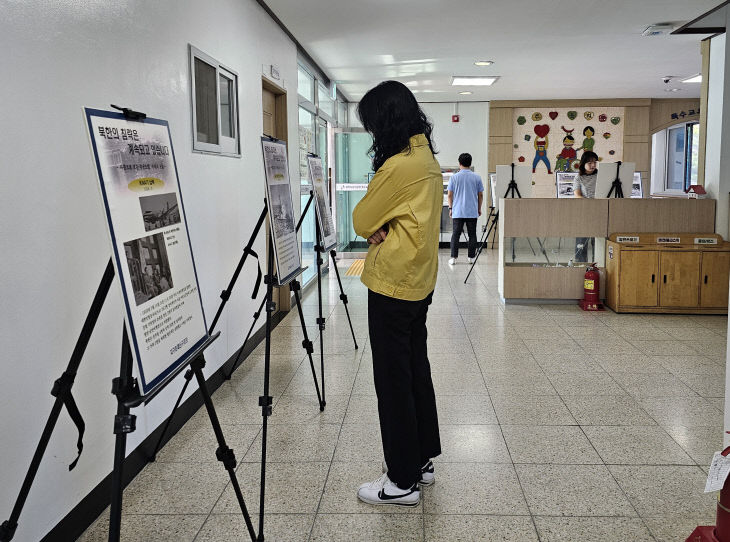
{"points": [[355, 269]]}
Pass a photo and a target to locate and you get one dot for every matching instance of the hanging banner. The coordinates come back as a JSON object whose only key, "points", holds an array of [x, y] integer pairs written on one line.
{"points": [[324, 216], [153, 259], [281, 210]]}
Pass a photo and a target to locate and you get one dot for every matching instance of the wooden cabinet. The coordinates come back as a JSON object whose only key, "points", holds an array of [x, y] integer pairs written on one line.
{"points": [[685, 273], [714, 279]]}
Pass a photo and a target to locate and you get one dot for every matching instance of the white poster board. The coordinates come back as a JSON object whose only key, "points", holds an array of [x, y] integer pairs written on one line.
{"points": [[281, 210], [321, 200], [564, 184], [523, 178], [153, 259], [637, 188], [607, 174]]}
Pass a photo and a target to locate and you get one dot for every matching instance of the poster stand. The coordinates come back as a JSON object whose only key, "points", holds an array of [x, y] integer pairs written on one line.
{"points": [[512, 189], [616, 187]]}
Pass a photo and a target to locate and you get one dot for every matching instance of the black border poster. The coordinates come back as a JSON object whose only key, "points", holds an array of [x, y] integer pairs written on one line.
{"points": [[281, 210], [324, 216], [139, 186]]}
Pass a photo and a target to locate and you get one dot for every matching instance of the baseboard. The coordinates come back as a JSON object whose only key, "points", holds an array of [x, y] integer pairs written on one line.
{"points": [[85, 513]]}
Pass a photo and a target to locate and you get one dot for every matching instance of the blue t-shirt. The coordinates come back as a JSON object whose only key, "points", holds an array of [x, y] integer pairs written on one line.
{"points": [[466, 186]]}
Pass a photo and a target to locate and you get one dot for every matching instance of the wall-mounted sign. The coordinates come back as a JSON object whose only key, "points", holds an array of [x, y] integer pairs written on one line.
{"points": [[627, 239], [351, 187], [705, 241]]}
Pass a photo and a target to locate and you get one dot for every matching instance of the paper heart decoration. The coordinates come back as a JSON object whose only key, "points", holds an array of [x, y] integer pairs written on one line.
{"points": [[521, 159], [606, 134], [572, 115], [602, 117], [615, 120], [553, 115], [542, 130]]}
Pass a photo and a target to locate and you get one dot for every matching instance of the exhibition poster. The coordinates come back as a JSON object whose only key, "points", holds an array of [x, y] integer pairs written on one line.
{"points": [[324, 216], [564, 183], [281, 210], [637, 188], [152, 254]]}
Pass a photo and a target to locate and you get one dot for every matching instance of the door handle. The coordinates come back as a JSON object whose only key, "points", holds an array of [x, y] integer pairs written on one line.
{"points": [[665, 279], [652, 278], [705, 279]]}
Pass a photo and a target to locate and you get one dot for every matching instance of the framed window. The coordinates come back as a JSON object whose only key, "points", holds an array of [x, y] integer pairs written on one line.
{"points": [[305, 84], [341, 114], [215, 105], [325, 103], [682, 151]]}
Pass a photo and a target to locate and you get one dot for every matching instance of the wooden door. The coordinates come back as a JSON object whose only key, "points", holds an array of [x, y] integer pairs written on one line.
{"points": [[680, 279], [715, 279], [269, 111], [639, 278]]}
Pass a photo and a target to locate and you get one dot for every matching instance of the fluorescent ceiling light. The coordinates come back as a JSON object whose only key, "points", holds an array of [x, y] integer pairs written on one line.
{"points": [[412, 83], [672, 90], [466, 92], [694, 79], [484, 63], [472, 80]]}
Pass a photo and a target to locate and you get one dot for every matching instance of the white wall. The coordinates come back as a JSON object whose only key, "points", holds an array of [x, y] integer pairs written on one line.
{"points": [[58, 57], [717, 182]]}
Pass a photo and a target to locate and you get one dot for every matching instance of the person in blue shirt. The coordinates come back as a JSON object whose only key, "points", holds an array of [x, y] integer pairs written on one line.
{"points": [[465, 193]]}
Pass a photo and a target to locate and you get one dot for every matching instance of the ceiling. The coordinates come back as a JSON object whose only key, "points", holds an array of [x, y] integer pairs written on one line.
{"points": [[547, 49]]}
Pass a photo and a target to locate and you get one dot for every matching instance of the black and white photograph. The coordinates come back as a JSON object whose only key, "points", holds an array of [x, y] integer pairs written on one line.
{"points": [[564, 184], [282, 210], [637, 190], [149, 267], [159, 211], [323, 211]]}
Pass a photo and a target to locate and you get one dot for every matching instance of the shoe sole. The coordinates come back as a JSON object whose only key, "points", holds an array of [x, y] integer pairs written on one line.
{"points": [[426, 484], [391, 503]]}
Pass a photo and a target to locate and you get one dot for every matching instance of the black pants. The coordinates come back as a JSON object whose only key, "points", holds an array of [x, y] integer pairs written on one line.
{"points": [[406, 400], [471, 231]]}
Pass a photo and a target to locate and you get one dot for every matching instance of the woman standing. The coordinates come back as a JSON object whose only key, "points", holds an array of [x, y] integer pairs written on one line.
{"points": [[584, 186], [400, 218]]}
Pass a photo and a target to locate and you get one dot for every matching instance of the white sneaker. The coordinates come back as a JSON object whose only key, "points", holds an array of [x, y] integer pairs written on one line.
{"points": [[452, 261], [472, 260], [428, 476], [383, 491]]}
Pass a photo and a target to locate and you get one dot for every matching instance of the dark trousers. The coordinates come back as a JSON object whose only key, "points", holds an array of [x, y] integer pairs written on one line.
{"points": [[471, 231], [406, 400]]}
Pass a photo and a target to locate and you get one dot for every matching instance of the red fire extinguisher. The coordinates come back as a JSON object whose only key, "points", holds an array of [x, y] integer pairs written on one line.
{"points": [[591, 286], [721, 532]]}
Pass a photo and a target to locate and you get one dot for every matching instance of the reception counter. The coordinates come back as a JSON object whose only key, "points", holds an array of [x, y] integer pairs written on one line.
{"points": [[544, 243]]}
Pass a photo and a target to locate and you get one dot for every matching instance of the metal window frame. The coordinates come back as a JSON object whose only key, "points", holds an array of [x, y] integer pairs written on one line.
{"points": [[214, 148]]}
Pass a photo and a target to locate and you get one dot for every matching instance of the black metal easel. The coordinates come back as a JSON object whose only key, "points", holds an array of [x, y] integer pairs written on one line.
{"points": [[616, 186]]}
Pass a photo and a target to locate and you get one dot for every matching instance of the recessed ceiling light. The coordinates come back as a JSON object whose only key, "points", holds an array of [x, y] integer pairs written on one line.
{"points": [[694, 79], [466, 92], [484, 62], [472, 80], [672, 89]]}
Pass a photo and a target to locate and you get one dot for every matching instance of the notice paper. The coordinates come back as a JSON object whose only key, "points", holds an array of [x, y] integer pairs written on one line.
{"points": [[719, 470]]}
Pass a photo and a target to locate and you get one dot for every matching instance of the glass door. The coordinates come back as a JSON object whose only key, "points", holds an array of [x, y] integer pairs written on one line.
{"points": [[353, 172]]}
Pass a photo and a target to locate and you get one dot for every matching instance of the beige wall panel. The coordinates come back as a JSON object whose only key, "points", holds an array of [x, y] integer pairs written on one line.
{"points": [[661, 215], [554, 217], [638, 153], [500, 154], [637, 121], [500, 122], [546, 282]]}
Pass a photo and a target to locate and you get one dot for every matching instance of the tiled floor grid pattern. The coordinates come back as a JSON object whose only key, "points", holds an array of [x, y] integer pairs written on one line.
{"points": [[556, 425]]}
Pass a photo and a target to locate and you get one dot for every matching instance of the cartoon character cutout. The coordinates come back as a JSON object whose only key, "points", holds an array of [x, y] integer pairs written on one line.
{"points": [[541, 145], [568, 155], [588, 142]]}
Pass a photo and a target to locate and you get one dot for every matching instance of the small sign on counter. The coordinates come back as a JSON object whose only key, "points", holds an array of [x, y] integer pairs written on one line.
{"points": [[668, 240]]}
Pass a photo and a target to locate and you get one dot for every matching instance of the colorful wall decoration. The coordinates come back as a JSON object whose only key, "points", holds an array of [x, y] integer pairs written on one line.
{"points": [[554, 140]]}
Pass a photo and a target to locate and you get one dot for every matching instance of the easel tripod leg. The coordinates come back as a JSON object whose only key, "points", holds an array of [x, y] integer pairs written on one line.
{"points": [[306, 343], [343, 296]]}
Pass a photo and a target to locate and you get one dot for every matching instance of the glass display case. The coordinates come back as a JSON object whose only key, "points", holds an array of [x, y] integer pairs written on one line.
{"points": [[554, 251]]}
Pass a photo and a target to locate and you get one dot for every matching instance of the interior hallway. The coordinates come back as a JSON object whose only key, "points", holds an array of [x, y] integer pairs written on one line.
{"points": [[556, 425]]}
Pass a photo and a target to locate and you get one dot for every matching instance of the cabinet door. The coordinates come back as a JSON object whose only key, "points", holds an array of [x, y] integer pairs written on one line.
{"points": [[639, 278], [680, 279], [715, 278]]}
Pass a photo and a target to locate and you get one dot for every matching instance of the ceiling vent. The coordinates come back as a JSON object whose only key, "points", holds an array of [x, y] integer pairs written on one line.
{"points": [[659, 29]]}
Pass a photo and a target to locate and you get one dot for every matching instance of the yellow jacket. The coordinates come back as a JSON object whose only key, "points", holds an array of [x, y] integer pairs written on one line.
{"points": [[407, 194]]}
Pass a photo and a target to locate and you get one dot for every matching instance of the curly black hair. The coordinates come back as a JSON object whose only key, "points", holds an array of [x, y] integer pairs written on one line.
{"points": [[392, 115]]}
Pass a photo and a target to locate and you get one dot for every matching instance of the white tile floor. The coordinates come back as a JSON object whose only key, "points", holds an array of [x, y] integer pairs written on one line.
{"points": [[556, 425]]}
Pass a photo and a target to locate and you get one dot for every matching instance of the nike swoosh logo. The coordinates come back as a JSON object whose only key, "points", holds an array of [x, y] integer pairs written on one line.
{"points": [[382, 495]]}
